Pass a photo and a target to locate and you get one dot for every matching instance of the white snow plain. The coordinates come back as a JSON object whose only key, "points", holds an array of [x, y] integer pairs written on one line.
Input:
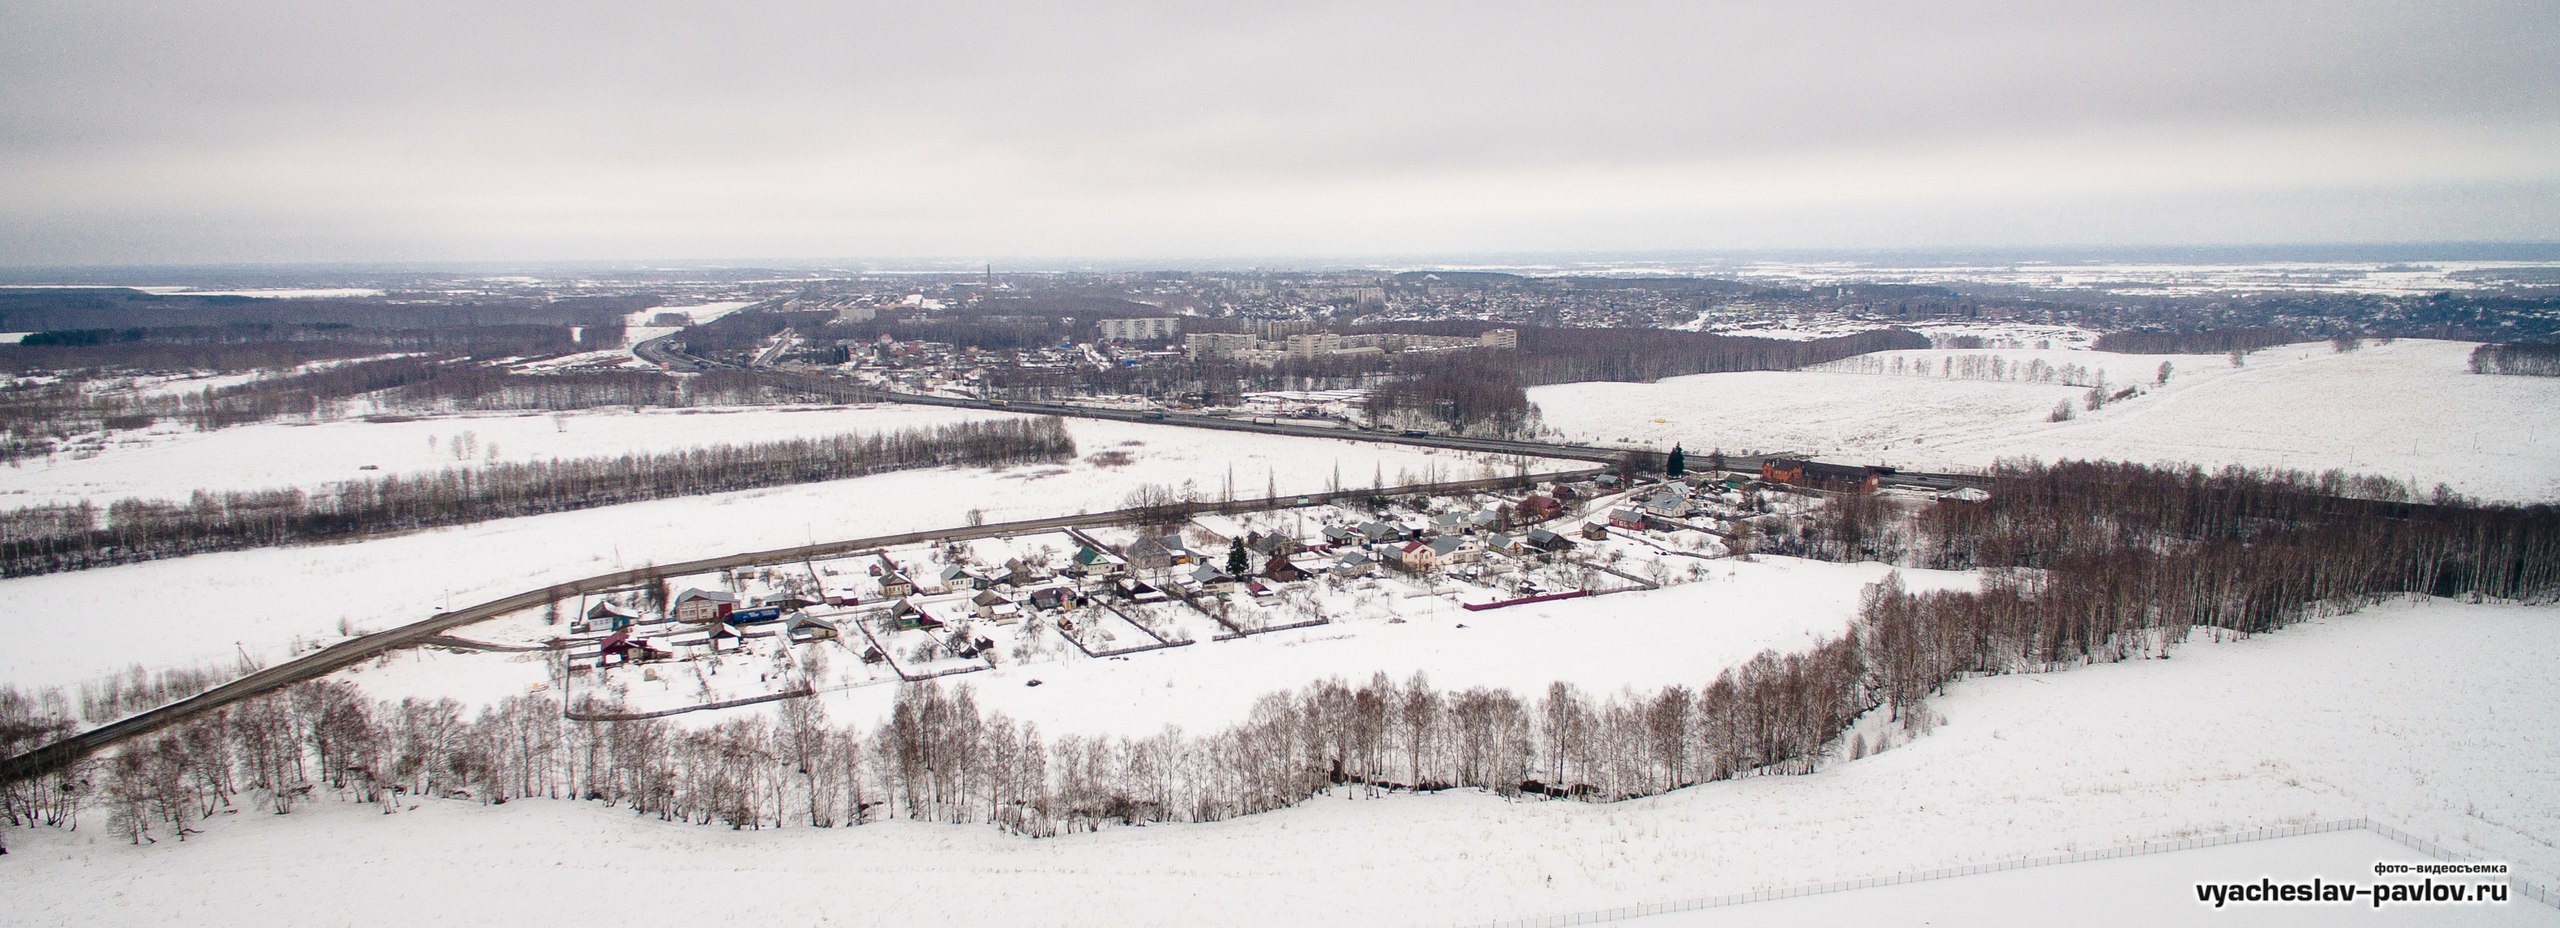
{"points": [[2429, 714], [211, 607], [2410, 410]]}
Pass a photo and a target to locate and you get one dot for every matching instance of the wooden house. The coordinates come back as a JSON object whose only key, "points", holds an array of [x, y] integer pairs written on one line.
{"points": [[1054, 597], [1417, 556], [1540, 507], [1666, 502], [995, 607], [1148, 553], [605, 616], [1823, 476], [1094, 562], [621, 648], [803, 628], [1456, 549], [1272, 544], [701, 607], [956, 578], [1209, 578]]}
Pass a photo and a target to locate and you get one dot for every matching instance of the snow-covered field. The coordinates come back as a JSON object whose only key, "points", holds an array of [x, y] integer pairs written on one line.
{"points": [[2134, 892], [637, 328], [2429, 715], [2410, 410], [173, 461], [210, 606]]}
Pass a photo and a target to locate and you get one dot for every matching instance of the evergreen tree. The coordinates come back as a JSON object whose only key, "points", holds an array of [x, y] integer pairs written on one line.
{"points": [[1237, 563], [1679, 463]]}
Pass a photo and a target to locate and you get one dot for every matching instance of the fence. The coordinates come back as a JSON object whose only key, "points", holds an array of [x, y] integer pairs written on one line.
{"points": [[578, 716], [2533, 891], [2423, 846], [1525, 600]]}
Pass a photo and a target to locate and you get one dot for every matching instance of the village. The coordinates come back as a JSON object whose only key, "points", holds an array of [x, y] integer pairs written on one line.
{"points": [[933, 610]]}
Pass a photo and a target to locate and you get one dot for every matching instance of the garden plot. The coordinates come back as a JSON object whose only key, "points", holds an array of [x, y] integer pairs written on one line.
{"points": [[1289, 604], [760, 667], [930, 643], [1103, 631], [1173, 621]]}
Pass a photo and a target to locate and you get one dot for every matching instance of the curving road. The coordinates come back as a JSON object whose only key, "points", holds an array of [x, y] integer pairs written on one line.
{"points": [[365, 647]]}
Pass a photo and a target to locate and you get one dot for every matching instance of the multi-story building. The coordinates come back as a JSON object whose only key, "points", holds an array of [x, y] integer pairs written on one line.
{"points": [[1218, 344], [1272, 330], [1308, 346], [1147, 329]]}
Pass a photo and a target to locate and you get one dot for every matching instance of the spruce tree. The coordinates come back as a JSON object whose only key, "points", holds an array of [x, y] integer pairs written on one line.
{"points": [[1237, 564], [1679, 462]]}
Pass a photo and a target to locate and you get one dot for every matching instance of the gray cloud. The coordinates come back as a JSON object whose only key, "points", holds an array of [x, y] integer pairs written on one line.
{"points": [[288, 130]]}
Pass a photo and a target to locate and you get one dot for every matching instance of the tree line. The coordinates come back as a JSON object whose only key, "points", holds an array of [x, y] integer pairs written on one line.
{"points": [[47, 539], [2527, 360], [2097, 561], [2203, 341], [938, 756]]}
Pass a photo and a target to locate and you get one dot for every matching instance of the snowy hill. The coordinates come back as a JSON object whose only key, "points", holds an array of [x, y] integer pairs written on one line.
{"points": [[2410, 410]]}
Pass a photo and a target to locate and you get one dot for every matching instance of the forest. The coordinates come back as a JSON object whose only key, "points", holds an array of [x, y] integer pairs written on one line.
{"points": [[2203, 341], [48, 539], [1457, 390], [2083, 563]]}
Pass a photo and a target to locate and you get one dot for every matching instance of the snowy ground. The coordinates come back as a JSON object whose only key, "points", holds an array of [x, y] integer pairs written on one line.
{"points": [[2429, 715], [637, 328], [2410, 410], [173, 461], [209, 606], [2138, 891]]}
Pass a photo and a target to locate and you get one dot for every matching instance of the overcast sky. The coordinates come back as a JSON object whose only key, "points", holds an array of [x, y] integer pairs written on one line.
{"points": [[329, 130]]}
